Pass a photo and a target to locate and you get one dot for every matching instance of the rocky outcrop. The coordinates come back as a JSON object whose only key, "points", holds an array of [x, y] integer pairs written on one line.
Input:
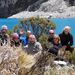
{"points": [[45, 66], [36, 5], [53, 6], [10, 7], [70, 2], [13, 61], [6, 7]]}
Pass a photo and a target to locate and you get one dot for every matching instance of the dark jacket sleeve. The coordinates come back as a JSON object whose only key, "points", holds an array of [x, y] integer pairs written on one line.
{"points": [[55, 49], [71, 40], [48, 39]]}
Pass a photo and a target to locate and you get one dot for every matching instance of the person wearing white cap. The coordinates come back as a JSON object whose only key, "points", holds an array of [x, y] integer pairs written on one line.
{"points": [[33, 46], [15, 41], [4, 27], [66, 39], [3, 34], [51, 36]]}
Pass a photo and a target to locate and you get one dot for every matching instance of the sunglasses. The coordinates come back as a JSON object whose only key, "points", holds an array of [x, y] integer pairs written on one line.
{"points": [[51, 33]]}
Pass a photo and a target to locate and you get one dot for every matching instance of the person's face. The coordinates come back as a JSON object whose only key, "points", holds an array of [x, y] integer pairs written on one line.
{"points": [[56, 40], [4, 31], [28, 34], [66, 31], [15, 38], [22, 32], [52, 34], [32, 40]]}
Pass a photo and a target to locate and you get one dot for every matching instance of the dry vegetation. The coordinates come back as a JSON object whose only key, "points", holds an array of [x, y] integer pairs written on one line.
{"points": [[14, 61]]}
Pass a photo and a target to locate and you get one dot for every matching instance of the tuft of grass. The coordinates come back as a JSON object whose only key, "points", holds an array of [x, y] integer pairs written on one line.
{"points": [[24, 60], [72, 57]]}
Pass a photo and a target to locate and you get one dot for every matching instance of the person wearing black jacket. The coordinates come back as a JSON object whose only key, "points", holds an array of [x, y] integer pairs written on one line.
{"points": [[51, 36], [56, 45], [66, 39]]}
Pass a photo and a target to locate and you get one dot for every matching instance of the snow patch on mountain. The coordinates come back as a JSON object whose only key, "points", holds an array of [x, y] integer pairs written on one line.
{"points": [[53, 5], [53, 8]]}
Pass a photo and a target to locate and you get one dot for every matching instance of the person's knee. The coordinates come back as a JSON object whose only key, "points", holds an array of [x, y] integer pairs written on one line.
{"points": [[53, 51]]}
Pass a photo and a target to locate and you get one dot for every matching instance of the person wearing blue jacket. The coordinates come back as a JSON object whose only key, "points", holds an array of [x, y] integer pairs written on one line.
{"points": [[23, 38]]}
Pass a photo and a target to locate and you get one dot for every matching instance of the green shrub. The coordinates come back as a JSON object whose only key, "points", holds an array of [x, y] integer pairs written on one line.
{"points": [[15, 29], [37, 25], [43, 39], [9, 32]]}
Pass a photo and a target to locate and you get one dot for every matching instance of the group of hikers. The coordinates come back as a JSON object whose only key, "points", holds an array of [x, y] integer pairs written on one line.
{"points": [[64, 40], [30, 43]]}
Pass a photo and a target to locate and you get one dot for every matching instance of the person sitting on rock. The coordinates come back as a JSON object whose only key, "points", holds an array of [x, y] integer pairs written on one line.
{"points": [[56, 45], [66, 39], [22, 38], [28, 34], [33, 46], [3, 35], [51, 36], [15, 41]]}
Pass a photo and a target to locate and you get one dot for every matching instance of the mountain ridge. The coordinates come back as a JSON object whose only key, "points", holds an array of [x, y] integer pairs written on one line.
{"points": [[11, 7]]}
